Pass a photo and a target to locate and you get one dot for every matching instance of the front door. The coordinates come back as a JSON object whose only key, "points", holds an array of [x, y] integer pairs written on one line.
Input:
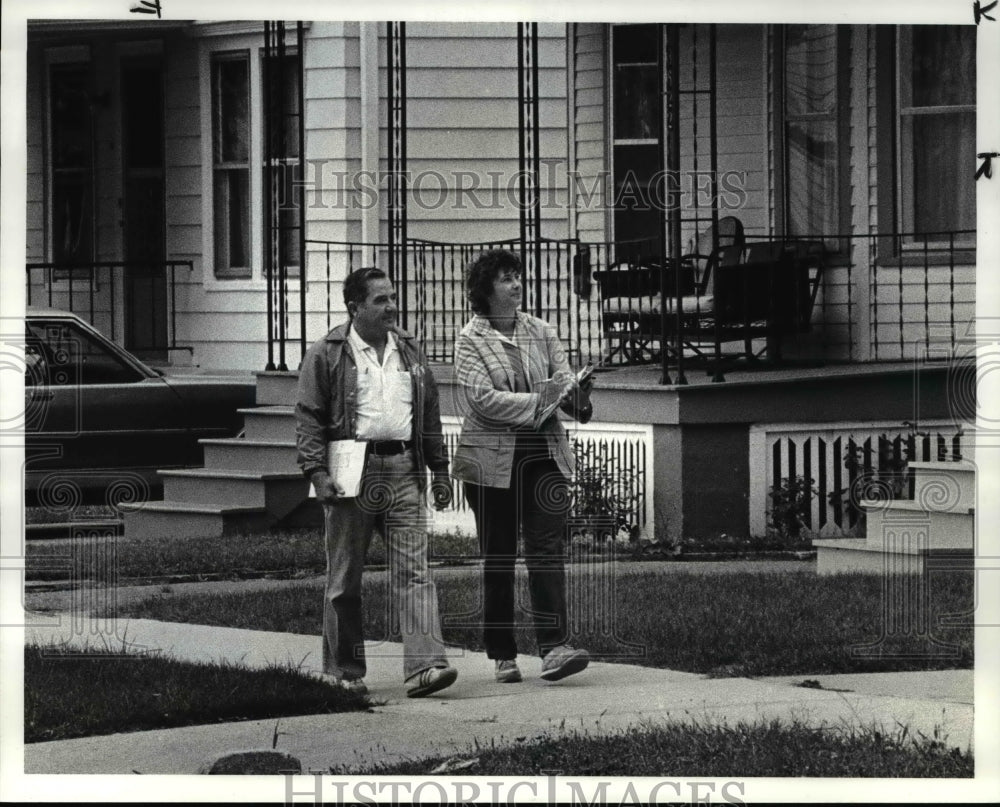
{"points": [[143, 208]]}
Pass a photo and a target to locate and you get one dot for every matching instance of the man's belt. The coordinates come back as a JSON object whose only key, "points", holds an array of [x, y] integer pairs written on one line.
{"points": [[386, 448]]}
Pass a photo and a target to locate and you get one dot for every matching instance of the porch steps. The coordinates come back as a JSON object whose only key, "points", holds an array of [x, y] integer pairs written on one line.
{"points": [[247, 482], [936, 527], [241, 454], [835, 555], [277, 388], [269, 423], [170, 519], [277, 493]]}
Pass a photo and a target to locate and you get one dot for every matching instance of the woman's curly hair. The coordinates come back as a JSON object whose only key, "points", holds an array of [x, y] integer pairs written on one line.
{"points": [[483, 272]]}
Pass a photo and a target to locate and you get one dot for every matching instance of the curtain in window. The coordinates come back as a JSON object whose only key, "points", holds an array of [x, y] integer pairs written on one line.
{"points": [[811, 148], [940, 125]]}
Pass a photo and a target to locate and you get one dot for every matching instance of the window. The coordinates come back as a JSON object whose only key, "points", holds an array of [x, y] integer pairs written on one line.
{"points": [[936, 84], [281, 100], [80, 357], [813, 176], [637, 154], [231, 164], [71, 198]]}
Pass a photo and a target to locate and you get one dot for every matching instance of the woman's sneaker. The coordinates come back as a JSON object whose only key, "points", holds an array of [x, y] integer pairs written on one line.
{"points": [[562, 661], [507, 671]]}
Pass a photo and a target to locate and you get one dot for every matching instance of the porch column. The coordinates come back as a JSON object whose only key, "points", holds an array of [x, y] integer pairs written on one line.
{"points": [[396, 54], [528, 163], [370, 97]]}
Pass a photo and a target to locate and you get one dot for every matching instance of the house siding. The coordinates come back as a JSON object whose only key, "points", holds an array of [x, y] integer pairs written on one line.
{"points": [[35, 176], [914, 310], [462, 130], [589, 130], [742, 111], [225, 321], [462, 138]]}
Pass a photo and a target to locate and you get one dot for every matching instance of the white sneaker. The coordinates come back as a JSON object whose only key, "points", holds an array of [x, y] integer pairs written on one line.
{"points": [[562, 661]]}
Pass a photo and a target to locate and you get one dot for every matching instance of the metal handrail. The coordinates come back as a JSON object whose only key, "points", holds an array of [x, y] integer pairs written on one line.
{"points": [[67, 299]]}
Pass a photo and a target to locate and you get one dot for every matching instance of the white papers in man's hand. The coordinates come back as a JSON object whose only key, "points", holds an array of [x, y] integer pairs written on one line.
{"points": [[346, 464]]}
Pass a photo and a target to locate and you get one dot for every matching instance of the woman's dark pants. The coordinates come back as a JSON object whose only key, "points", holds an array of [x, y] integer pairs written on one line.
{"points": [[538, 499]]}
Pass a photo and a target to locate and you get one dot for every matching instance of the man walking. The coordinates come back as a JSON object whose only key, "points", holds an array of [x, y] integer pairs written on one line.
{"points": [[366, 380]]}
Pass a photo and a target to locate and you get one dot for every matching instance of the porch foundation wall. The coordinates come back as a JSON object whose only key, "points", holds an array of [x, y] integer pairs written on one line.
{"points": [[701, 432], [715, 482]]}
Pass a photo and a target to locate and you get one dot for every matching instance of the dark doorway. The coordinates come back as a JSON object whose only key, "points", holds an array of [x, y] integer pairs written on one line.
{"points": [[143, 208]]}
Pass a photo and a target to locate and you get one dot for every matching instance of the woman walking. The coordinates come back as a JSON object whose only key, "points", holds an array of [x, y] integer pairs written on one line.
{"points": [[515, 462]]}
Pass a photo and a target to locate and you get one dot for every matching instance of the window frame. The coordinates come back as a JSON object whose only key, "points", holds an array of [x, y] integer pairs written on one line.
{"points": [[289, 162], [841, 122], [218, 39], [614, 143], [904, 113], [220, 166], [64, 59]]}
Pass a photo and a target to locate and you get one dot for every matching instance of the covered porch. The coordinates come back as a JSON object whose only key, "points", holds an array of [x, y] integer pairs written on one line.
{"points": [[718, 452]]}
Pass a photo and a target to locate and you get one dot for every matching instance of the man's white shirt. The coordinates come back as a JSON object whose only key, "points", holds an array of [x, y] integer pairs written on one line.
{"points": [[385, 393]]}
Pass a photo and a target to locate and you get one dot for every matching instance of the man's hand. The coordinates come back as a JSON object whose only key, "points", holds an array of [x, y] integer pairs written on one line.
{"points": [[327, 491], [441, 490]]}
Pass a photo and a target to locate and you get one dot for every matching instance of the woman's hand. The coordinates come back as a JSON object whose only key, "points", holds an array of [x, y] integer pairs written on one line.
{"points": [[441, 490], [577, 403], [555, 391]]}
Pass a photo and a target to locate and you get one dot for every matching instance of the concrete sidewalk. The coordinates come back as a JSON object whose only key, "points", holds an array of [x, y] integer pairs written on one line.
{"points": [[605, 698]]}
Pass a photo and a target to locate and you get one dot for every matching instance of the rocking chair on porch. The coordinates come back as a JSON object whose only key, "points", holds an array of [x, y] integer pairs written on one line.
{"points": [[746, 298], [630, 292]]}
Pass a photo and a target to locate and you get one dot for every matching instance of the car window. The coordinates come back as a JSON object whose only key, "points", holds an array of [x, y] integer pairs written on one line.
{"points": [[66, 354], [36, 366]]}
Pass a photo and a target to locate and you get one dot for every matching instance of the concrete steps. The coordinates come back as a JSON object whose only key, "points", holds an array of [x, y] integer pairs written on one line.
{"points": [[277, 493], [169, 519], [277, 389], [269, 423], [250, 482], [240, 454], [934, 529]]}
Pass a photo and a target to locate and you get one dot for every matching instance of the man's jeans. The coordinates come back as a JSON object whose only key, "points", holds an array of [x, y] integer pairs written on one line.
{"points": [[391, 501]]}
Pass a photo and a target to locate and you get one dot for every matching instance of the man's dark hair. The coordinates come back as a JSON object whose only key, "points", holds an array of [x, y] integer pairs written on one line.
{"points": [[483, 272], [356, 285]]}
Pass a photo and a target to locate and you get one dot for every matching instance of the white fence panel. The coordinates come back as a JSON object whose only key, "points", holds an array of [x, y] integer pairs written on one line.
{"points": [[819, 451]]}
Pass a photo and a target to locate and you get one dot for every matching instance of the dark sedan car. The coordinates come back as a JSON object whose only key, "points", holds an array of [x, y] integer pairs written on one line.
{"points": [[100, 422]]}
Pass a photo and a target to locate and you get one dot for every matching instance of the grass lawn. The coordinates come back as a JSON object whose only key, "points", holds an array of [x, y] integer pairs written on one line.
{"points": [[683, 750], [86, 693], [293, 551], [745, 624]]}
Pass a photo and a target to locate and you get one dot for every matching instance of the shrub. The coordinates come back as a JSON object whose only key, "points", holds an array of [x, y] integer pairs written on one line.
{"points": [[791, 503]]}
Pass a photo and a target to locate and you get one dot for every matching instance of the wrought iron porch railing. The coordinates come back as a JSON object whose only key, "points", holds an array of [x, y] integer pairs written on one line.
{"points": [[105, 293], [841, 298]]}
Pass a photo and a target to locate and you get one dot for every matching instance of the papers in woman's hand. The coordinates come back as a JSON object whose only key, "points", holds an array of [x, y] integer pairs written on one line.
{"points": [[549, 388], [563, 388]]}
